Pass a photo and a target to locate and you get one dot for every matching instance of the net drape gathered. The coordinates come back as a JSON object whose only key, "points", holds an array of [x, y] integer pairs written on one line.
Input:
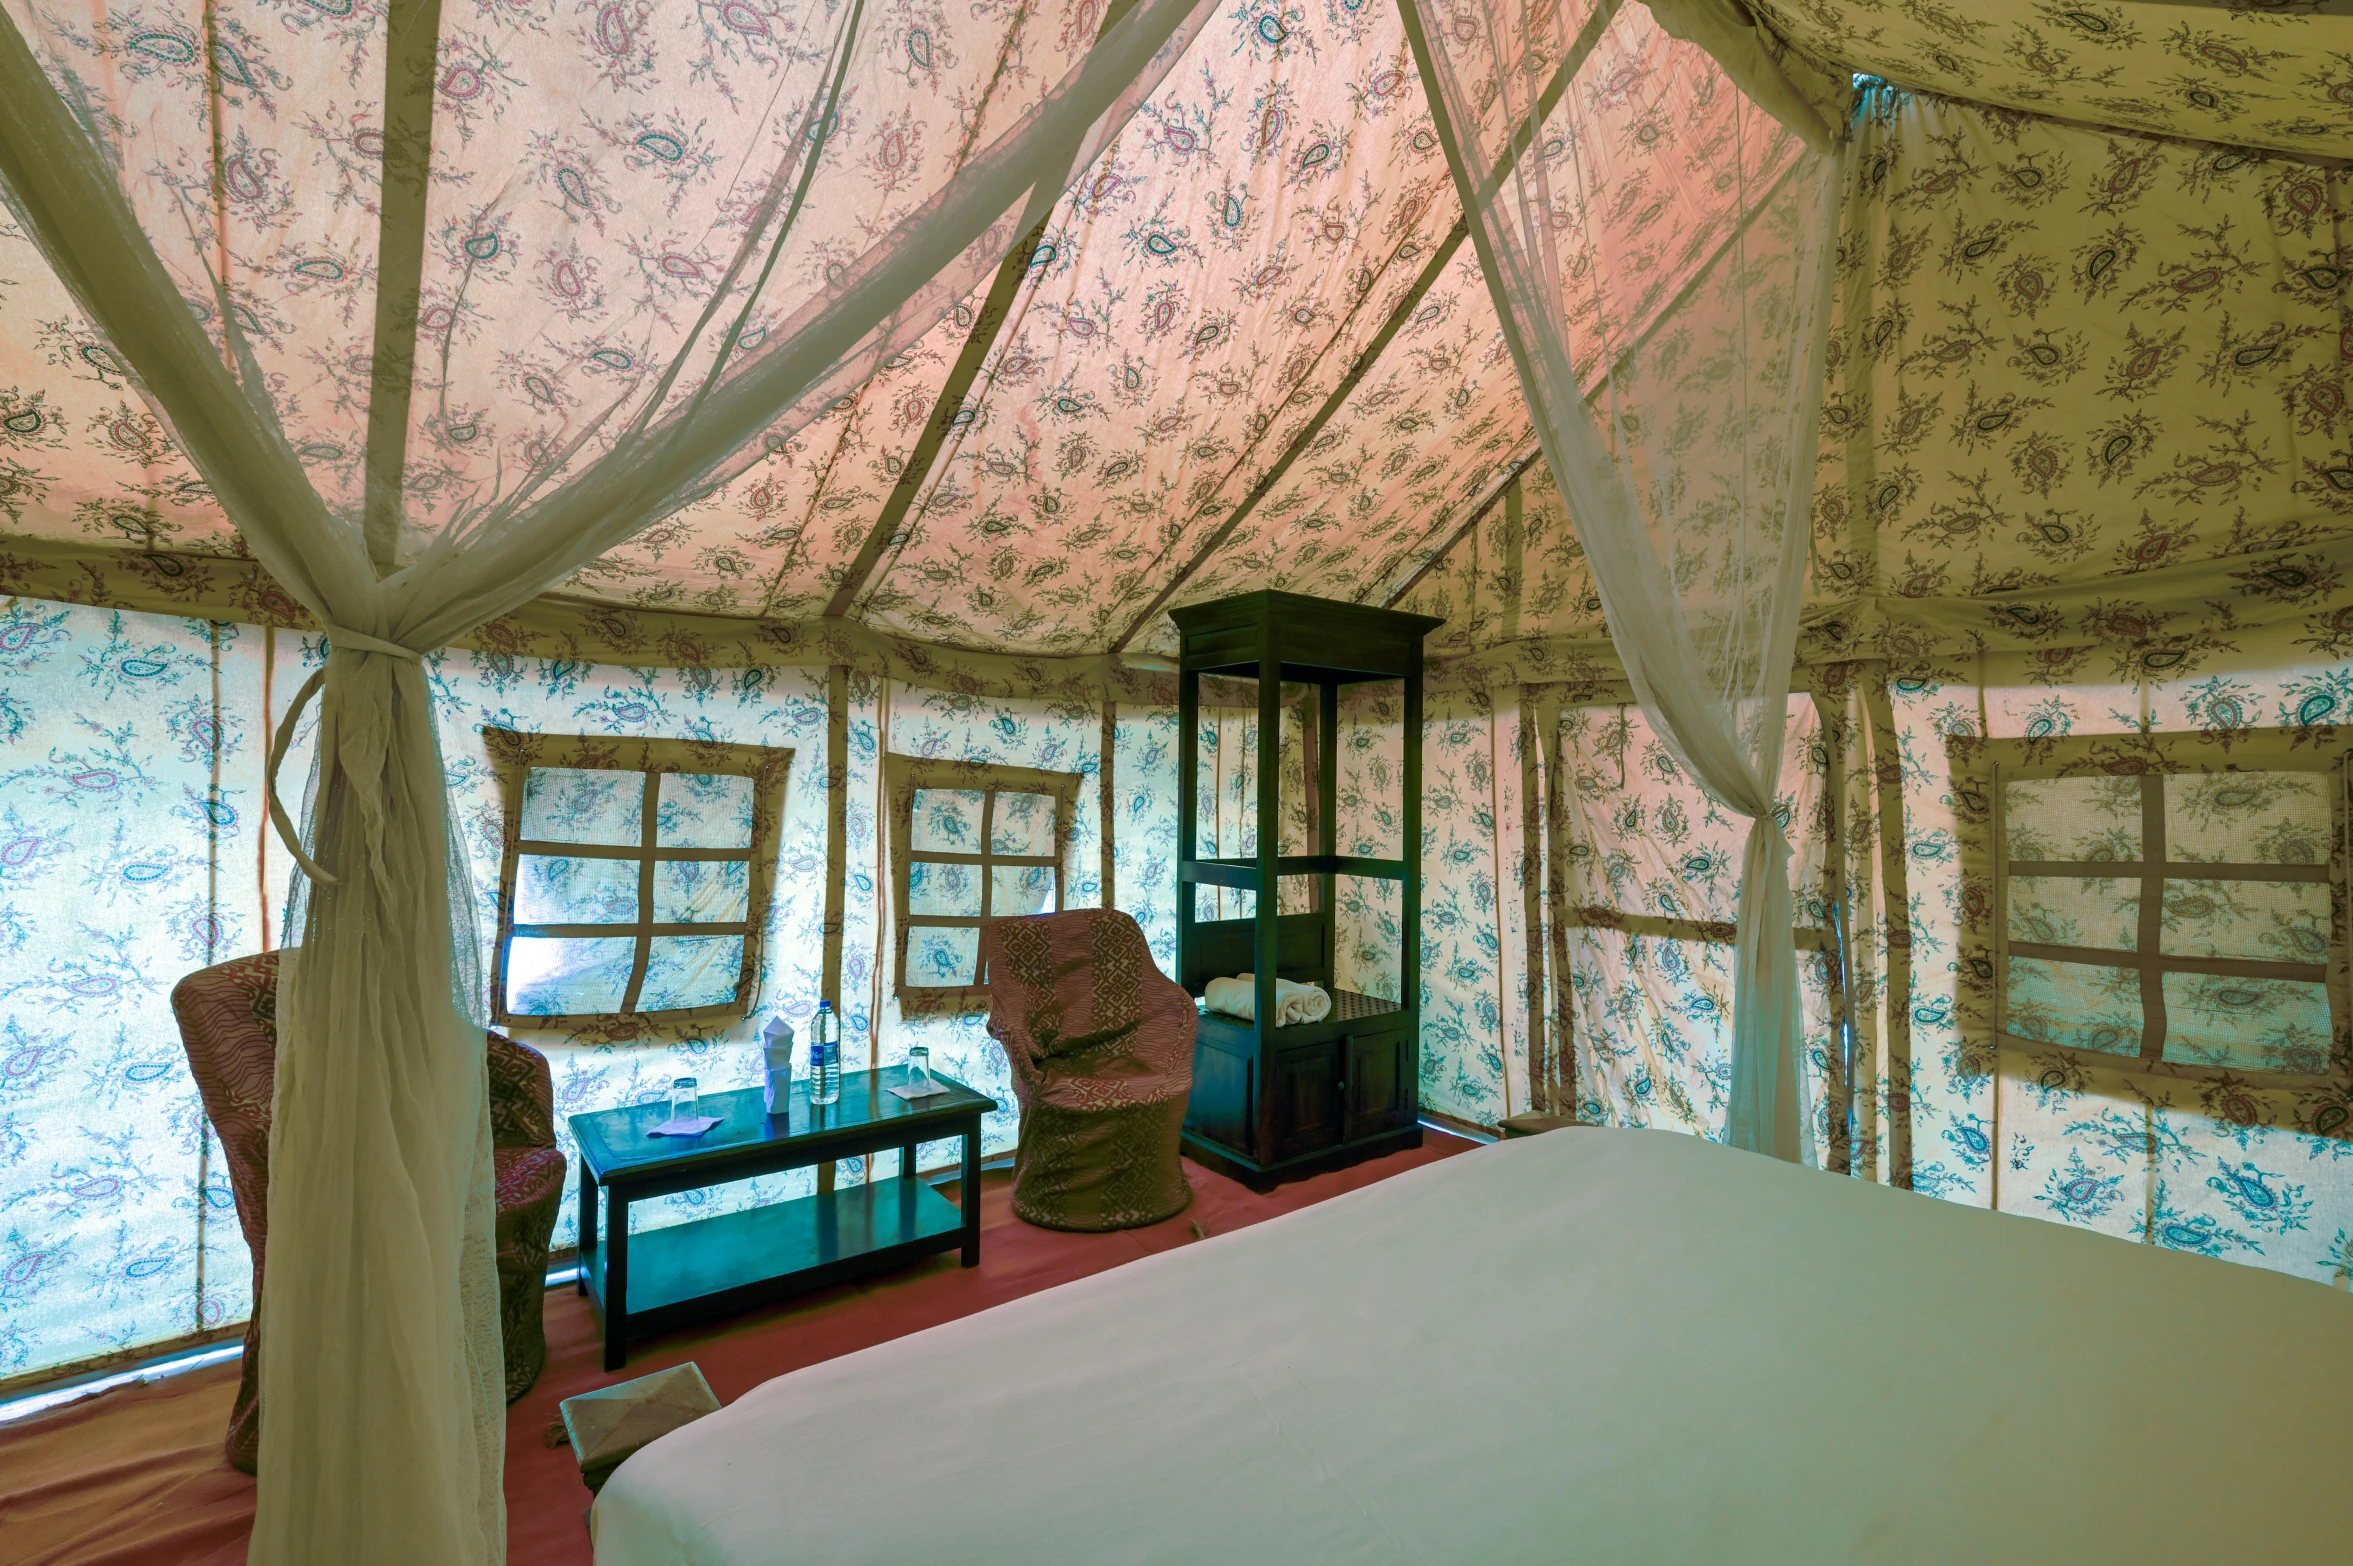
{"points": [[381, 1370], [1798, 94], [1681, 429]]}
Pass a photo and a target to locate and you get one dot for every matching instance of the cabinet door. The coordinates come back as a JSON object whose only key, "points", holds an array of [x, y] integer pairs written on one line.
{"points": [[1303, 1100], [1379, 1091], [1220, 1107]]}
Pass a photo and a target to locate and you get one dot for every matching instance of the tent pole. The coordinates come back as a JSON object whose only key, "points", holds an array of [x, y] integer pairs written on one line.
{"points": [[1595, 26], [996, 311]]}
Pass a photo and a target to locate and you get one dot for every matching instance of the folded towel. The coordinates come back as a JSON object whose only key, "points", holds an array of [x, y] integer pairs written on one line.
{"points": [[1297, 1003], [1294, 1003], [1234, 997]]}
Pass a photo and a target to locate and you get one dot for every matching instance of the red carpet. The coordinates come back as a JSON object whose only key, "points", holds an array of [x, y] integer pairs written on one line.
{"points": [[136, 1476]]}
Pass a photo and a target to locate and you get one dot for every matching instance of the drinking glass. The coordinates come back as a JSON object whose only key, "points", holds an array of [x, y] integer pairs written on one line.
{"points": [[919, 1070], [683, 1097]]}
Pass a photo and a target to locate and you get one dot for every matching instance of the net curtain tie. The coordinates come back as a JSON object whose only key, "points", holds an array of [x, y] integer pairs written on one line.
{"points": [[349, 641]]}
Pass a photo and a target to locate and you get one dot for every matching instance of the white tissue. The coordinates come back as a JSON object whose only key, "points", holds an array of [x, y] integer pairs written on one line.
{"points": [[776, 1046]]}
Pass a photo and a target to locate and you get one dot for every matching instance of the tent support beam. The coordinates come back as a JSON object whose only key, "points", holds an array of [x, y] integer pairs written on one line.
{"points": [[412, 34], [1588, 38], [995, 311], [1503, 486], [1306, 436]]}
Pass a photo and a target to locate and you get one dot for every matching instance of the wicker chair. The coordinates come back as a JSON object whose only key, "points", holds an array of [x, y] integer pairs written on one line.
{"points": [[1100, 1043], [228, 1019]]}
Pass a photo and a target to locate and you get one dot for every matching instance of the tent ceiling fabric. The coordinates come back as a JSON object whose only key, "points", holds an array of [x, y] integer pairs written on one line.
{"points": [[588, 186], [1203, 291], [2259, 74], [2049, 405], [1204, 295]]}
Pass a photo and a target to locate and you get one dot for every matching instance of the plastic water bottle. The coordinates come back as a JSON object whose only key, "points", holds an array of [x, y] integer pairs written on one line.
{"points": [[825, 1056]]}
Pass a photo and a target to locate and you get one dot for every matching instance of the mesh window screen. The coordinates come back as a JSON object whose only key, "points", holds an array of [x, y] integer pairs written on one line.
{"points": [[2156, 902], [635, 878], [972, 843], [2183, 919]]}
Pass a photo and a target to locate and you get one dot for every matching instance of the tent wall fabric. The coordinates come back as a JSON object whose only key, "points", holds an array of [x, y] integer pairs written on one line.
{"points": [[2217, 1163], [162, 860], [136, 849], [1647, 853], [134, 747]]}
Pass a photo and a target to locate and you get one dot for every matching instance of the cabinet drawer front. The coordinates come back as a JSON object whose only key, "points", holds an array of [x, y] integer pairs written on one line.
{"points": [[1380, 1091]]}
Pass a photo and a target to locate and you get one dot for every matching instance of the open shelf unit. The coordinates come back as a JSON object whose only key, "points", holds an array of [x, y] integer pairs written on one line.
{"points": [[1277, 1103]]}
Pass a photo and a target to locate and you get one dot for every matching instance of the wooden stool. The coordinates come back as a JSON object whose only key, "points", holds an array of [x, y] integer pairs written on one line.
{"points": [[1533, 1124], [608, 1424]]}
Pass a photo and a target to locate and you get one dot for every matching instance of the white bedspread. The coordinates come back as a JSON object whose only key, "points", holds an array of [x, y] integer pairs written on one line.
{"points": [[1605, 1346]]}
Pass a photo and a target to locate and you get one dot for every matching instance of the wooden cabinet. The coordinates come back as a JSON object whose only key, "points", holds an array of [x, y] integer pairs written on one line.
{"points": [[1304, 1105], [1274, 1104], [1224, 1105]]}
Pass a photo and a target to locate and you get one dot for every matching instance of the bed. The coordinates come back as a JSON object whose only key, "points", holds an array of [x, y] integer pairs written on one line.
{"points": [[1606, 1346]]}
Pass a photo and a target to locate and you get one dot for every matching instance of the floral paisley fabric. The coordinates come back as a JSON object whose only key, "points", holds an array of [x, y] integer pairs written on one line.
{"points": [[1226, 793], [2067, 357], [129, 807], [2254, 75], [1209, 286], [2067, 370], [129, 794], [2210, 1161], [591, 173], [1479, 991], [1652, 1011]]}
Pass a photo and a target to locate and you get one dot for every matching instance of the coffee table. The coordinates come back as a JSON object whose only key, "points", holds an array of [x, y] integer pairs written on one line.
{"points": [[664, 1278]]}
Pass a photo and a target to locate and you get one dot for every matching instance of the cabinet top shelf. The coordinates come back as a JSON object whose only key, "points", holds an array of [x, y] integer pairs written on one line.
{"points": [[1244, 873], [1312, 638], [1351, 1013]]}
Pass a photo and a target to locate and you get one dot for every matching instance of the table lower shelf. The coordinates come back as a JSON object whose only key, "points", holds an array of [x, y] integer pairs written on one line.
{"points": [[715, 1266]]}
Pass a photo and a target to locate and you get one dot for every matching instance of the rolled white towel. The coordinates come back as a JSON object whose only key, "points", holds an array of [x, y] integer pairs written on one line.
{"points": [[1234, 997], [1294, 1003], [1298, 1003]]}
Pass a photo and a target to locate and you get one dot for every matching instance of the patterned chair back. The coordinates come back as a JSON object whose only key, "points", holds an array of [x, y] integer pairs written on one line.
{"points": [[228, 1016], [1066, 983], [1100, 1046]]}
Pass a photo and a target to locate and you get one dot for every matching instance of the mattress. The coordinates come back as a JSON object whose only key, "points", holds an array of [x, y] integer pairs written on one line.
{"points": [[1606, 1346]]}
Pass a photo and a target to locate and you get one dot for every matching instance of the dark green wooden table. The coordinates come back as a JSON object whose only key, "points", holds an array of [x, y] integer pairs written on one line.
{"points": [[666, 1278]]}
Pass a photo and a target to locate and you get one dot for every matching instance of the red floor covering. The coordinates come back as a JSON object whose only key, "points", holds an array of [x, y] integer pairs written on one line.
{"points": [[135, 1475]]}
